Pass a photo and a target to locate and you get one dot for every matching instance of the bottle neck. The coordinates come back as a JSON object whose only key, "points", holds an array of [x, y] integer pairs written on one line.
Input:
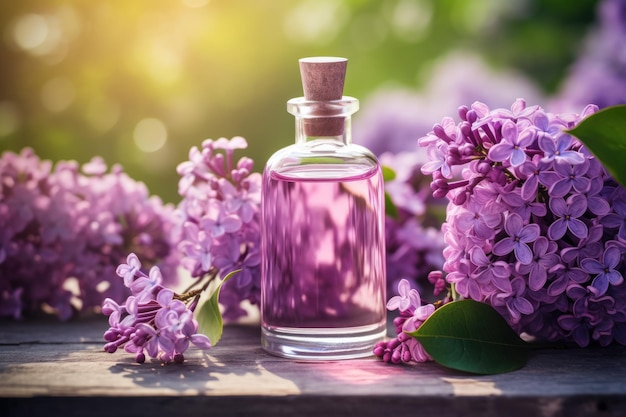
{"points": [[324, 121], [332, 129]]}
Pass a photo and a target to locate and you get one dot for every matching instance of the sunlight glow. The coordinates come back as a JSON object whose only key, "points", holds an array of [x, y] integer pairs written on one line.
{"points": [[164, 64], [47, 36]]}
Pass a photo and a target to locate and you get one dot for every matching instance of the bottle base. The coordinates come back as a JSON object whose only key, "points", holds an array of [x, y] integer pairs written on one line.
{"points": [[322, 344]]}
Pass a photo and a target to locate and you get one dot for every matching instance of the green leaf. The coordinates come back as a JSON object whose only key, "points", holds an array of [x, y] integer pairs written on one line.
{"points": [[209, 315], [388, 173], [604, 134], [470, 336], [390, 208]]}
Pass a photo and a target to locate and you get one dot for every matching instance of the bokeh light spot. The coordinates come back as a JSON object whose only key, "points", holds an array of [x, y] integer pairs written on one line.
{"points": [[31, 31], [150, 135]]}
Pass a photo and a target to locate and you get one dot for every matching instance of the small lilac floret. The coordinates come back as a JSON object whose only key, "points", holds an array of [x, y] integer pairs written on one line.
{"points": [[568, 214], [605, 270], [519, 238], [617, 219], [129, 269], [558, 149], [438, 161], [512, 148], [144, 286], [409, 297]]}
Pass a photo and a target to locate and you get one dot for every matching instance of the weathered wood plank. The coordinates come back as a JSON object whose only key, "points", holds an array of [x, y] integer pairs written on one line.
{"points": [[60, 367]]}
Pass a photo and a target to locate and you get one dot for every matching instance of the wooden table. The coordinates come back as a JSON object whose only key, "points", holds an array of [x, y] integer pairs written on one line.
{"points": [[59, 369]]}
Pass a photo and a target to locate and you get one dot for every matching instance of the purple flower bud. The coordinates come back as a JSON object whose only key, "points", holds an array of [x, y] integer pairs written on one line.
{"points": [[483, 167], [379, 349], [471, 116], [460, 198], [110, 347], [463, 110]]}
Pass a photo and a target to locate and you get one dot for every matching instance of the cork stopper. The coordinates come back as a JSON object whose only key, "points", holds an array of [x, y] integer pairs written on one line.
{"points": [[323, 80], [323, 77]]}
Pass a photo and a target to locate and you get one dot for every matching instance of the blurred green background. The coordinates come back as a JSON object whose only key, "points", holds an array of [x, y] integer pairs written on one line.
{"points": [[139, 82]]}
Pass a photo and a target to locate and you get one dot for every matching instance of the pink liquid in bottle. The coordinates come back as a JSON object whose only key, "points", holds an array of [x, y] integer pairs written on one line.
{"points": [[323, 289]]}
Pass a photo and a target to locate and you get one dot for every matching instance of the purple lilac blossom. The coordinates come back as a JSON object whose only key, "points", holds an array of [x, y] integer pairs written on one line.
{"points": [[412, 313], [219, 213], [389, 123], [519, 236], [63, 230], [553, 262], [568, 214], [152, 320], [414, 242]]}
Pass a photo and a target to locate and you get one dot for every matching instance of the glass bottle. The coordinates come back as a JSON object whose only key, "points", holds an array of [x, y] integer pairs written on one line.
{"points": [[323, 241]]}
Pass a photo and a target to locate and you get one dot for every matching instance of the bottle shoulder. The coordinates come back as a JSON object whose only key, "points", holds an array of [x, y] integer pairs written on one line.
{"points": [[323, 161]]}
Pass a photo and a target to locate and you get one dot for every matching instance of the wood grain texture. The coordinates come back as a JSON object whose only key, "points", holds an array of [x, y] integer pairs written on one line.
{"points": [[52, 368]]}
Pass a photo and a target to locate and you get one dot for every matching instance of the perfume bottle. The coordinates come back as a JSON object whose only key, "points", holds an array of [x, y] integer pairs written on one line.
{"points": [[323, 241]]}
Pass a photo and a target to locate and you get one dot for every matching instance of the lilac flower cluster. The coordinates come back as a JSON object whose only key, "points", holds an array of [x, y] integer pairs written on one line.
{"points": [[64, 230], [413, 238], [535, 225], [219, 214], [404, 348], [153, 320]]}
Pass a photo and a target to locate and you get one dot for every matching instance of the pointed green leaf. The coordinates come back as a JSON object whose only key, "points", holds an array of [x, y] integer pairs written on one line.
{"points": [[391, 209], [209, 316], [470, 336], [388, 173], [604, 134]]}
